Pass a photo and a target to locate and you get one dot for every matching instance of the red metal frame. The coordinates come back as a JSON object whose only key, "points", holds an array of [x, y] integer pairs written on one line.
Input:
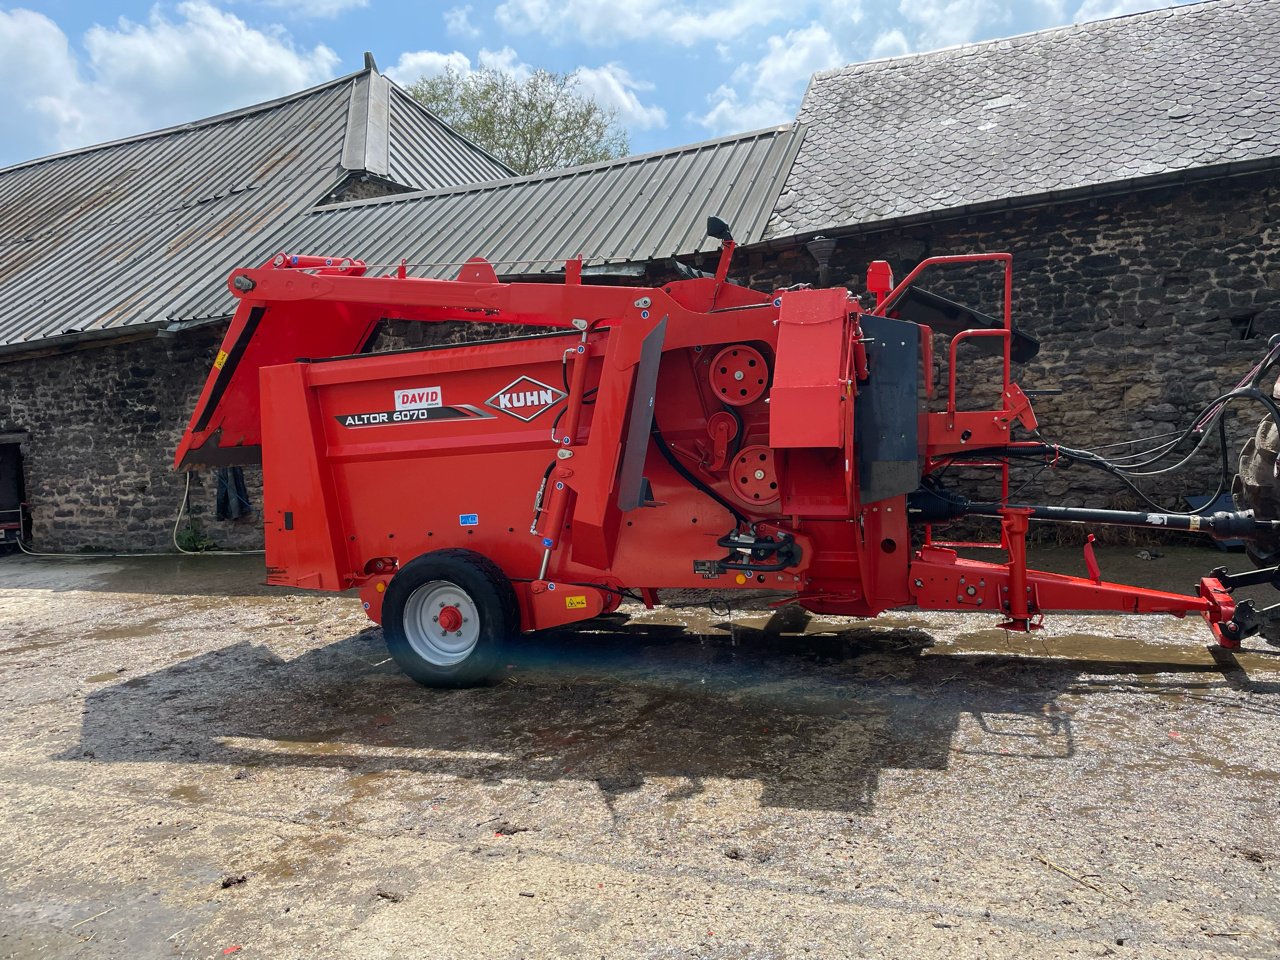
{"points": [[370, 460]]}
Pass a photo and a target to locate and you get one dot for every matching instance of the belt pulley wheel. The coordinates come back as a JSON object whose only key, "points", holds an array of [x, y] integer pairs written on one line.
{"points": [[739, 375], [753, 477]]}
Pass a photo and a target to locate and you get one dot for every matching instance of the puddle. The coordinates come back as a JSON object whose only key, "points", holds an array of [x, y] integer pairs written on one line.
{"points": [[366, 785], [188, 793], [1118, 648], [315, 748], [133, 631], [313, 851], [35, 645]]}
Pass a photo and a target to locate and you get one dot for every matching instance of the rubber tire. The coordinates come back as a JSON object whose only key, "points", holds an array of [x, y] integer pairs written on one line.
{"points": [[487, 586], [1256, 486]]}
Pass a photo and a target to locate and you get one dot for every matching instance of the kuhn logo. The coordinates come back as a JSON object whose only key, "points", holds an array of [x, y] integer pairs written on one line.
{"points": [[526, 398]]}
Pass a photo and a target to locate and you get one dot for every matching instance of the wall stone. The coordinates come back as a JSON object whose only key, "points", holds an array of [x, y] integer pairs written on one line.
{"points": [[102, 425]]}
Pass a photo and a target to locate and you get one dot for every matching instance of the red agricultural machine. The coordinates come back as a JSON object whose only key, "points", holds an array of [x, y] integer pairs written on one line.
{"points": [[697, 435]]}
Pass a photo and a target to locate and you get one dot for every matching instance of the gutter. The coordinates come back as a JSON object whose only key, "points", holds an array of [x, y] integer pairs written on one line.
{"points": [[88, 339], [1111, 188]]}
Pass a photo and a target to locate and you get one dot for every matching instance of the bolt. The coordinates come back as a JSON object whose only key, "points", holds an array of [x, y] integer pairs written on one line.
{"points": [[738, 374], [919, 584], [971, 590], [435, 619], [759, 474]]}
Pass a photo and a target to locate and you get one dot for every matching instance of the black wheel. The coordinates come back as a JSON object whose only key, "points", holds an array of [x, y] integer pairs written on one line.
{"points": [[446, 616], [1257, 487]]}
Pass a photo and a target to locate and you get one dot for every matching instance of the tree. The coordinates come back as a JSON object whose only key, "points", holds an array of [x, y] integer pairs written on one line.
{"points": [[540, 123]]}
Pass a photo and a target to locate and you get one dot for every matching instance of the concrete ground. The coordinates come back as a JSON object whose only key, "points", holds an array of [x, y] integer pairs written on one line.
{"points": [[192, 765]]}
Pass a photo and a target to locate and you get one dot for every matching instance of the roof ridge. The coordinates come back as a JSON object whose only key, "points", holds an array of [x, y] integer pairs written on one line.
{"points": [[447, 127], [481, 186], [209, 121], [1178, 9]]}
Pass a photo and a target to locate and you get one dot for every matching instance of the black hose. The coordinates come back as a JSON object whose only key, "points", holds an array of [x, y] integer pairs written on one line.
{"points": [[679, 468]]}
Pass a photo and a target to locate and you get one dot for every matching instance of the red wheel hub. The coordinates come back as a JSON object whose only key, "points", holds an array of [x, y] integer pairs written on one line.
{"points": [[753, 477], [739, 375], [450, 619]]}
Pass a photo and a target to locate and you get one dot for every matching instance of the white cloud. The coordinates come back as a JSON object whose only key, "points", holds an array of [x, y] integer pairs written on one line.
{"points": [[730, 113], [37, 73], [506, 60], [892, 43], [623, 20], [1102, 9], [790, 60], [140, 76], [457, 22], [838, 13], [427, 63], [610, 85], [431, 63], [768, 91], [613, 87], [326, 9], [945, 23]]}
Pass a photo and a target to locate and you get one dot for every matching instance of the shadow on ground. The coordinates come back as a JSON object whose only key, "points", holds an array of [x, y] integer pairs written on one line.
{"points": [[814, 719]]}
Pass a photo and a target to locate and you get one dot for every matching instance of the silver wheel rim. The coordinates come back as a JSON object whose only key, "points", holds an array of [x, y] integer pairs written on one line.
{"points": [[432, 613]]}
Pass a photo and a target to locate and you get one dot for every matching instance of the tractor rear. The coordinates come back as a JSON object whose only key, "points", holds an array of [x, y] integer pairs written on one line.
{"points": [[694, 435]]}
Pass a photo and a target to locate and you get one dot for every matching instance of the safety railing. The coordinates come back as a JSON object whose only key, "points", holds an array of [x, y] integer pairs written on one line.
{"points": [[1005, 333]]}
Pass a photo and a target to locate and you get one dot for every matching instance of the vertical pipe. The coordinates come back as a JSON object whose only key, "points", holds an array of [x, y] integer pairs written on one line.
{"points": [[1015, 522]]}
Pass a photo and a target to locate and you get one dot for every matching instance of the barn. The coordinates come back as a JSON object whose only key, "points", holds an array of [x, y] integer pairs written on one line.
{"points": [[1131, 166]]}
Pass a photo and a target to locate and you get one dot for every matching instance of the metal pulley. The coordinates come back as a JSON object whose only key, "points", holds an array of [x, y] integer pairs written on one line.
{"points": [[739, 375], [753, 477]]}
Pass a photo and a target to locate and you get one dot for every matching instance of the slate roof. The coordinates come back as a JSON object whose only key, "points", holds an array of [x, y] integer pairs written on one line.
{"points": [[1097, 107], [632, 210], [140, 230]]}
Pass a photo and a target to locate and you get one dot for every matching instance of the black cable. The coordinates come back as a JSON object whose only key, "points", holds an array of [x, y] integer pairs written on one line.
{"points": [[679, 468]]}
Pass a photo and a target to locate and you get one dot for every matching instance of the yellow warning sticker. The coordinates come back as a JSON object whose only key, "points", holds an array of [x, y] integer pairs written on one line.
{"points": [[220, 360], [575, 603]]}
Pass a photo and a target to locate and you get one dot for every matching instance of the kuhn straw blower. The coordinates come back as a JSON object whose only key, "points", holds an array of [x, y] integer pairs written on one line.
{"points": [[694, 435]]}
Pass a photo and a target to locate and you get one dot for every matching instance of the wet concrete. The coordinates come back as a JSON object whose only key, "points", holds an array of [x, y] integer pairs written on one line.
{"points": [[192, 762]]}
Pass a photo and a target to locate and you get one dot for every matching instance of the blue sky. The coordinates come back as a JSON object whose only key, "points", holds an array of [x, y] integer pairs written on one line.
{"points": [[77, 73]]}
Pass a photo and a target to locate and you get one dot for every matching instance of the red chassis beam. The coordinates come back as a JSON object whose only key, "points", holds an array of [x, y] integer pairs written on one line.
{"points": [[356, 487]]}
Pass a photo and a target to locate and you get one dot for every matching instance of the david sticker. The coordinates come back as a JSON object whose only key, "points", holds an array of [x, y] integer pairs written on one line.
{"points": [[418, 398], [525, 398]]}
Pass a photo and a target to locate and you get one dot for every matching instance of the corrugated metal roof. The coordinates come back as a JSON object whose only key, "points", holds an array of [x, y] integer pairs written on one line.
{"points": [[1047, 115], [621, 211], [143, 230]]}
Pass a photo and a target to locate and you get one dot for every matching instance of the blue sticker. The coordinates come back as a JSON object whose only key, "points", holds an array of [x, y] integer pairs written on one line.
{"points": [[468, 519]]}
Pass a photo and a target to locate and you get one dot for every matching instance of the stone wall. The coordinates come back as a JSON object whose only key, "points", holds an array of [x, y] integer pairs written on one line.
{"points": [[1147, 306], [102, 425]]}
